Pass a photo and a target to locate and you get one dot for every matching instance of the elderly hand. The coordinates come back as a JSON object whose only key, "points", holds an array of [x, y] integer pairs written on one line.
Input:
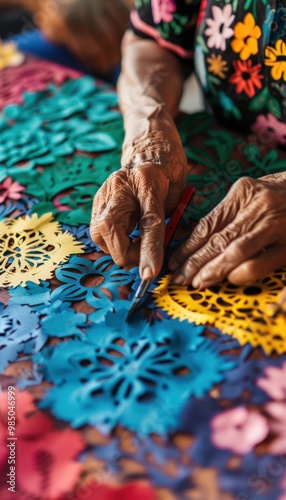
{"points": [[242, 239], [93, 30], [144, 192]]}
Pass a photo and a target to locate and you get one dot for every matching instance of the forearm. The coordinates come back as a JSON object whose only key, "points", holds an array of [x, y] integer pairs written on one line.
{"points": [[150, 89]]}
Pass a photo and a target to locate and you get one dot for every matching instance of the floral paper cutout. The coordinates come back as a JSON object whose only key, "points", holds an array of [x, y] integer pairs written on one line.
{"points": [[239, 430], [31, 248], [128, 377], [45, 457], [32, 77], [19, 331], [84, 279], [10, 56], [238, 311]]}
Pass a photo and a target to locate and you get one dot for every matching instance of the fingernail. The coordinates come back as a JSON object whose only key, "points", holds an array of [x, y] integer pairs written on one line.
{"points": [[179, 279], [196, 282], [173, 265], [147, 273]]}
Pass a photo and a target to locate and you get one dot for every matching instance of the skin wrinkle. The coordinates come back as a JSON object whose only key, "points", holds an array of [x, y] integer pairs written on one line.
{"points": [[257, 227]]}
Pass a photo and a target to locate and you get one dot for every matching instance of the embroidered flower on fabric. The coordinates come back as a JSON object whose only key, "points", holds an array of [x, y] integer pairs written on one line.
{"points": [[163, 10], [126, 375], [246, 36], [275, 58], [271, 128], [219, 27], [217, 65], [31, 248], [246, 77], [238, 429], [274, 384], [278, 24], [43, 454], [92, 281]]}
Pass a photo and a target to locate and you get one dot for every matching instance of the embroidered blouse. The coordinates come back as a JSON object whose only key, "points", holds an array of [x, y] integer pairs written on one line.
{"points": [[238, 49]]}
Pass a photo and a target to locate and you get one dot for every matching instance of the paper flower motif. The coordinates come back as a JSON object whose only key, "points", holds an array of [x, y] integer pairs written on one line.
{"points": [[121, 373], [46, 466], [10, 190], [10, 56], [34, 76], [238, 430], [239, 311], [19, 332], [274, 382], [274, 385], [84, 279], [31, 248]]}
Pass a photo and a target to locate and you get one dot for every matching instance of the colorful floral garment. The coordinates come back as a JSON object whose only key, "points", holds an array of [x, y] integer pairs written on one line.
{"points": [[239, 51]]}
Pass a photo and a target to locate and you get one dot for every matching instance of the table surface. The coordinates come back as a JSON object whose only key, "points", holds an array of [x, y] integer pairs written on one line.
{"points": [[161, 408]]}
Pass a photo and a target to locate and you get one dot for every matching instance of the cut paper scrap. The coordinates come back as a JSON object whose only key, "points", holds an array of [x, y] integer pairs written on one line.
{"points": [[126, 373], [31, 248], [46, 466], [10, 56], [240, 311], [33, 76]]}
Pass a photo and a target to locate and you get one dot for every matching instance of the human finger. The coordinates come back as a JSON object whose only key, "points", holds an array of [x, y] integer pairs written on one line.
{"points": [[152, 226], [240, 250], [253, 269], [217, 244], [114, 214], [214, 222]]}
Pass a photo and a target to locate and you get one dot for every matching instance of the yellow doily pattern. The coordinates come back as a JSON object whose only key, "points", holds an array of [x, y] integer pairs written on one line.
{"points": [[9, 55], [31, 248], [240, 311]]}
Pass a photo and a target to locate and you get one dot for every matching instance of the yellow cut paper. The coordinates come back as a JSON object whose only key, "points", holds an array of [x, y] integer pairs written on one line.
{"points": [[9, 55], [240, 311], [31, 248]]}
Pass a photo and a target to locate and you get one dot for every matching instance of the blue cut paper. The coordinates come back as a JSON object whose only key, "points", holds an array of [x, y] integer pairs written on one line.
{"points": [[78, 269], [135, 382]]}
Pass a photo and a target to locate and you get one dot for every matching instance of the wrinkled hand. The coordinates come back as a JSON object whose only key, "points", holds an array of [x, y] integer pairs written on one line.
{"points": [[91, 29], [242, 239], [143, 193]]}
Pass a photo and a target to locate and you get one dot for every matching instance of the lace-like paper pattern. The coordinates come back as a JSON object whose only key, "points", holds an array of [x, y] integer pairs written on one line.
{"points": [[31, 248], [238, 311]]}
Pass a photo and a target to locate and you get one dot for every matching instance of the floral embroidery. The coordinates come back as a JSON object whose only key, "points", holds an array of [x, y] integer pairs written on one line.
{"points": [[275, 57], [84, 279], [278, 24], [163, 10], [219, 27], [246, 34], [247, 78], [272, 128], [217, 65]]}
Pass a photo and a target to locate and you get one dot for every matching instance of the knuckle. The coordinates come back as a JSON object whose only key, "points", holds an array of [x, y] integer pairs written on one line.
{"points": [[150, 221], [245, 183]]}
